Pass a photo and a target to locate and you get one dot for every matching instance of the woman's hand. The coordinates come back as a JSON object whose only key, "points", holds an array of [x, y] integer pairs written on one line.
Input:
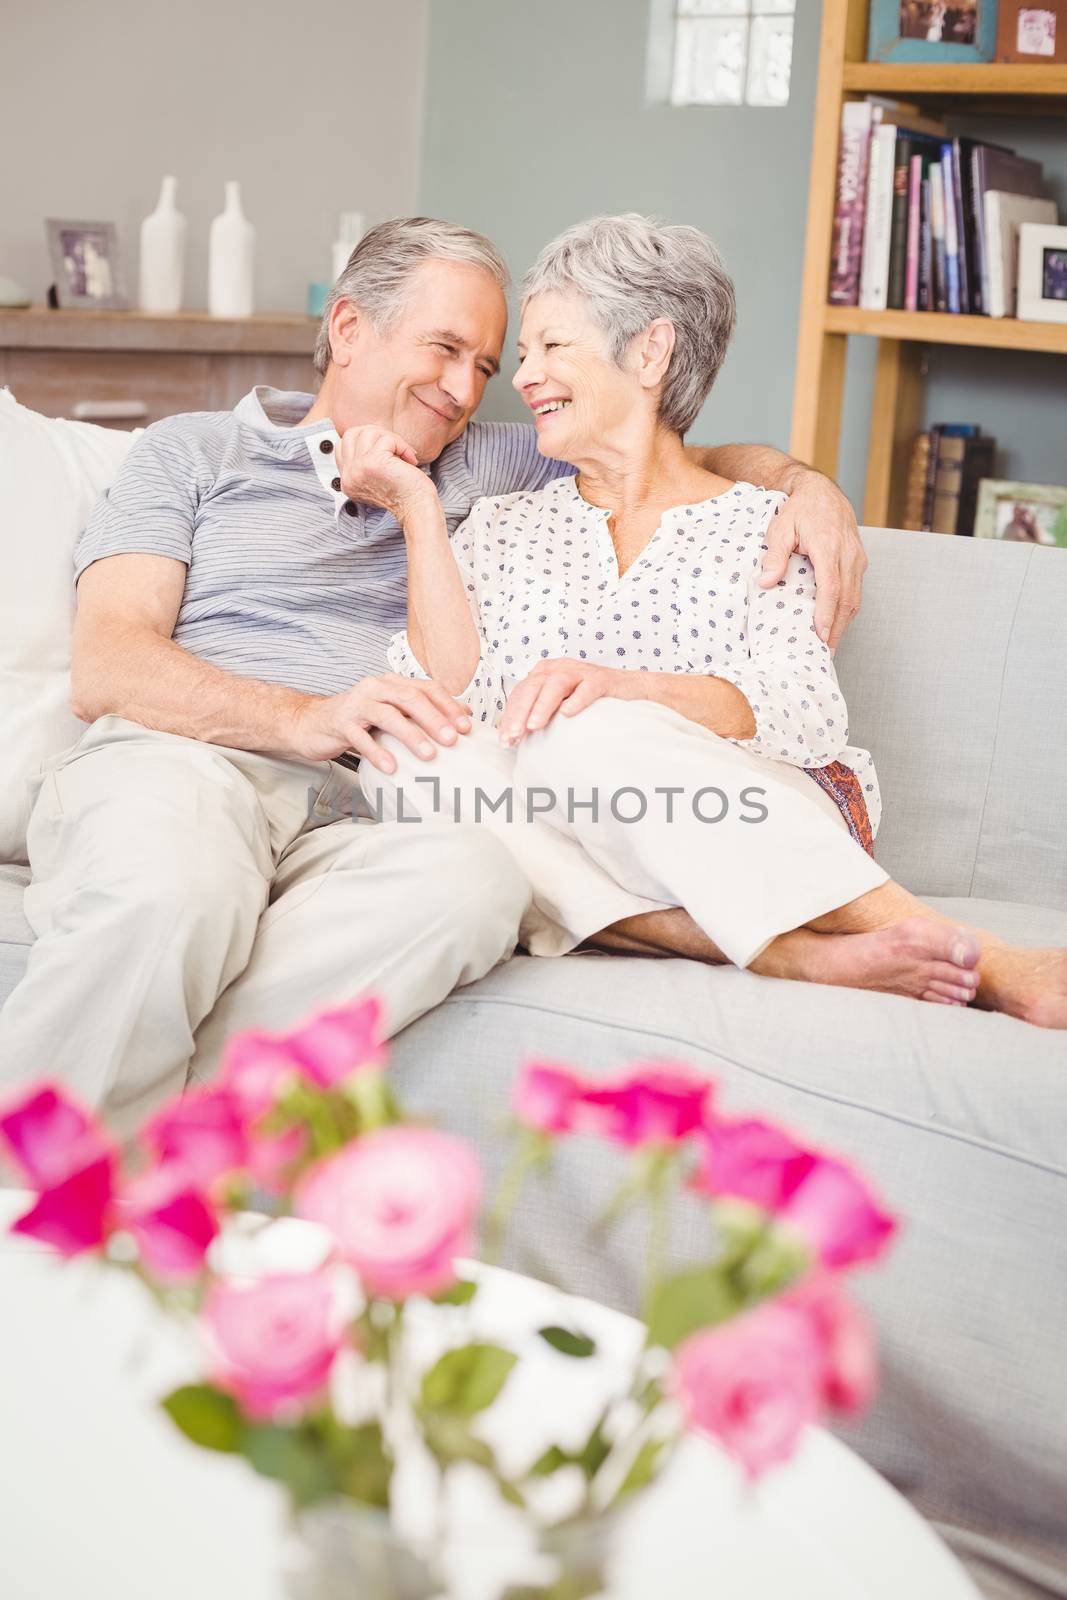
{"points": [[558, 685], [817, 521], [381, 469]]}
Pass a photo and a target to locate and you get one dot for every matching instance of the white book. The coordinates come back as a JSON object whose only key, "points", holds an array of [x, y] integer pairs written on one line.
{"points": [[1004, 215], [878, 226]]}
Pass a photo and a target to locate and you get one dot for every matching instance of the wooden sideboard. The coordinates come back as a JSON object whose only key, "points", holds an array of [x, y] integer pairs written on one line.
{"points": [[128, 368]]}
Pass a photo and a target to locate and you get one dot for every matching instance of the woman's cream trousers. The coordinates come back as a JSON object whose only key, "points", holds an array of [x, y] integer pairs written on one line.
{"points": [[629, 807]]}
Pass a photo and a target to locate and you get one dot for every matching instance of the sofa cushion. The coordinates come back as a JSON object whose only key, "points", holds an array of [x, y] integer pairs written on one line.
{"points": [[953, 674], [51, 472]]}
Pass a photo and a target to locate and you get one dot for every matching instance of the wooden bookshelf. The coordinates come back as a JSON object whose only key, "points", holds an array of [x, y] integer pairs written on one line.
{"points": [[903, 336]]}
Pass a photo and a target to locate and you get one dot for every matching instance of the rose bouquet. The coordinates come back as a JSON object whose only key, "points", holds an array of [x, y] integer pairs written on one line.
{"points": [[309, 1374]]}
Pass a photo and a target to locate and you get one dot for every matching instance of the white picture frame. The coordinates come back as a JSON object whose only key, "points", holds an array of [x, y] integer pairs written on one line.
{"points": [[1043, 272]]}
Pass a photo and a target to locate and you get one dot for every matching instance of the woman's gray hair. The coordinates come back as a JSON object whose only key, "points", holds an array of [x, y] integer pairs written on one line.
{"points": [[631, 270], [378, 270]]}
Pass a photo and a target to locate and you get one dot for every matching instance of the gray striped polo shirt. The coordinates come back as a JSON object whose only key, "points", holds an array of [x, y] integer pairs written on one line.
{"points": [[287, 580]]}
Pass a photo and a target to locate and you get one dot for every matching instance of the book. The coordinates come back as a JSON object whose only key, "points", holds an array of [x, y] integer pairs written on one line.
{"points": [[915, 490], [978, 463], [926, 250], [911, 278], [937, 237], [945, 507], [940, 433], [1005, 214], [907, 145], [874, 274], [963, 195], [847, 251], [994, 168], [952, 249]]}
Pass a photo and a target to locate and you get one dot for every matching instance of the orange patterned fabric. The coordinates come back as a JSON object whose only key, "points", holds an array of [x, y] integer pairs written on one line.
{"points": [[843, 787]]}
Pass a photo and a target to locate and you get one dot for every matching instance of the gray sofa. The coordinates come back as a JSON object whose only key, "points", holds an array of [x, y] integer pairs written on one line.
{"points": [[956, 676]]}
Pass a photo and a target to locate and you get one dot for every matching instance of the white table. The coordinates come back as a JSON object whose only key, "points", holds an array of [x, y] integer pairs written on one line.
{"points": [[102, 1499]]}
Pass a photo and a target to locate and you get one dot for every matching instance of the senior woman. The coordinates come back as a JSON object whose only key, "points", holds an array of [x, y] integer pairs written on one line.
{"points": [[663, 742]]}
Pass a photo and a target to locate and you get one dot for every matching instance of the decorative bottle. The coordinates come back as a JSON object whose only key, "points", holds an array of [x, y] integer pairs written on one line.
{"points": [[231, 260], [350, 231], [163, 254]]}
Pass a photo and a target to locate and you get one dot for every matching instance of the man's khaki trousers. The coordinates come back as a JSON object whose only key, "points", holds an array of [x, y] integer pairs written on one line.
{"points": [[184, 891]]}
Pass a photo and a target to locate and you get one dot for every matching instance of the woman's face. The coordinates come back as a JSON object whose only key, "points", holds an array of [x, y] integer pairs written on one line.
{"points": [[574, 389]]}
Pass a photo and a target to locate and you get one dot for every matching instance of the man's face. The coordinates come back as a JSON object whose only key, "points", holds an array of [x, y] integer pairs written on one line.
{"points": [[425, 375]]}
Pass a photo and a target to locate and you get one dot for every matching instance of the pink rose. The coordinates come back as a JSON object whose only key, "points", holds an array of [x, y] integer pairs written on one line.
{"points": [[753, 1383], [821, 1198], [274, 1340], [850, 1369], [650, 1105], [69, 1160], [547, 1097], [258, 1067], [202, 1132], [401, 1204], [171, 1221]]}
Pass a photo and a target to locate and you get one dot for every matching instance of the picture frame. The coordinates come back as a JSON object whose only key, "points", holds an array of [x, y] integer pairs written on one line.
{"points": [[1023, 513], [932, 30], [1032, 31], [86, 265], [1042, 272]]}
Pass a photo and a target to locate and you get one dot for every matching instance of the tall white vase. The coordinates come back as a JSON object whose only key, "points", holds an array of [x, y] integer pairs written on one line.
{"points": [[231, 260], [163, 254]]}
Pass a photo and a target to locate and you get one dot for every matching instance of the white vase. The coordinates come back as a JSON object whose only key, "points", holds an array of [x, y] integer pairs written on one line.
{"points": [[231, 260], [163, 254], [350, 231]]}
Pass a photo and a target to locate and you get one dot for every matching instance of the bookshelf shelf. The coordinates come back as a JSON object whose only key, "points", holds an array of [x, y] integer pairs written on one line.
{"points": [[935, 327], [902, 336], [923, 82]]}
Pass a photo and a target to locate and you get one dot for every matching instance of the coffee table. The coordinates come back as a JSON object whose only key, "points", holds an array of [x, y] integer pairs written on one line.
{"points": [[103, 1499]]}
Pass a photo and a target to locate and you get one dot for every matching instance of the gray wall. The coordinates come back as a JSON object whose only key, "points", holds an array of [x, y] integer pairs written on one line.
{"points": [[316, 111], [535, 117]]}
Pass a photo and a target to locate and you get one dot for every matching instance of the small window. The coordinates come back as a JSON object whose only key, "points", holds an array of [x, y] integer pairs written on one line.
{"points": [[731, 52]]}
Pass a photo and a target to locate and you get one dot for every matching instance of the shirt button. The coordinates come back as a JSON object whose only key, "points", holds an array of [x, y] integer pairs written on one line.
{"points": [[351, 508], [326, 446], [335, 484]]}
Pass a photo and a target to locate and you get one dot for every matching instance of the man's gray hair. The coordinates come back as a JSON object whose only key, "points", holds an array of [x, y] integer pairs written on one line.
{"points": [[376, 276], [632, 270]]}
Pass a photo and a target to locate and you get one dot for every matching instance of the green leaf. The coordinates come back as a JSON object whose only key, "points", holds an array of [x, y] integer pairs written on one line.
{"points": [[568, 1343], [206, 1416], [364, 1468], [449, 1439], [679, 1305], [292, 1456], [460, 1294], [644, 1467], [467, 1380], [593, 1453], [551, 1461]]}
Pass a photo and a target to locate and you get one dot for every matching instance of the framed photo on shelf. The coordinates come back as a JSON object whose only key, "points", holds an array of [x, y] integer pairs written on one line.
{"points": [[1024, 513], [1042, 272], [86, 265], [1033, 31], [932, 30]]}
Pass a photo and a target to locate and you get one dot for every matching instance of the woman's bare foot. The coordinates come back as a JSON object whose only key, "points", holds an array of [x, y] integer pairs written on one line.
{"points": [[917, 957]]}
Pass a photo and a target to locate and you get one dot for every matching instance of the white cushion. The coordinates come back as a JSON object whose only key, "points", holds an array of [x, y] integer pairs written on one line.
{"points": [[51, 472]]}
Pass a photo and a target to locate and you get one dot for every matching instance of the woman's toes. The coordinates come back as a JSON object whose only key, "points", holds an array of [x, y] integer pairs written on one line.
{"points": [[956, 977], [940, 999], [965, 950]]}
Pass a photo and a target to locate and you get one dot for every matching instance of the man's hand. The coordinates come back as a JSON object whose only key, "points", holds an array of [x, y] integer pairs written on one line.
{"points": [[381, 469], [418, 711], [817, 521], [558, 685]]}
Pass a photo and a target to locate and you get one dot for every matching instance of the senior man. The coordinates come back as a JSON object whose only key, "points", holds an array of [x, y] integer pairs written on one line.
{"points": [[194, 872]]}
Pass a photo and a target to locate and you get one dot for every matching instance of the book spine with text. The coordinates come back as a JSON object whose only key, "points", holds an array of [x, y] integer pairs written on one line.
{"points": [[898, 233], [874, 279], [847, 252], [937, 235], [952, 255]]}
